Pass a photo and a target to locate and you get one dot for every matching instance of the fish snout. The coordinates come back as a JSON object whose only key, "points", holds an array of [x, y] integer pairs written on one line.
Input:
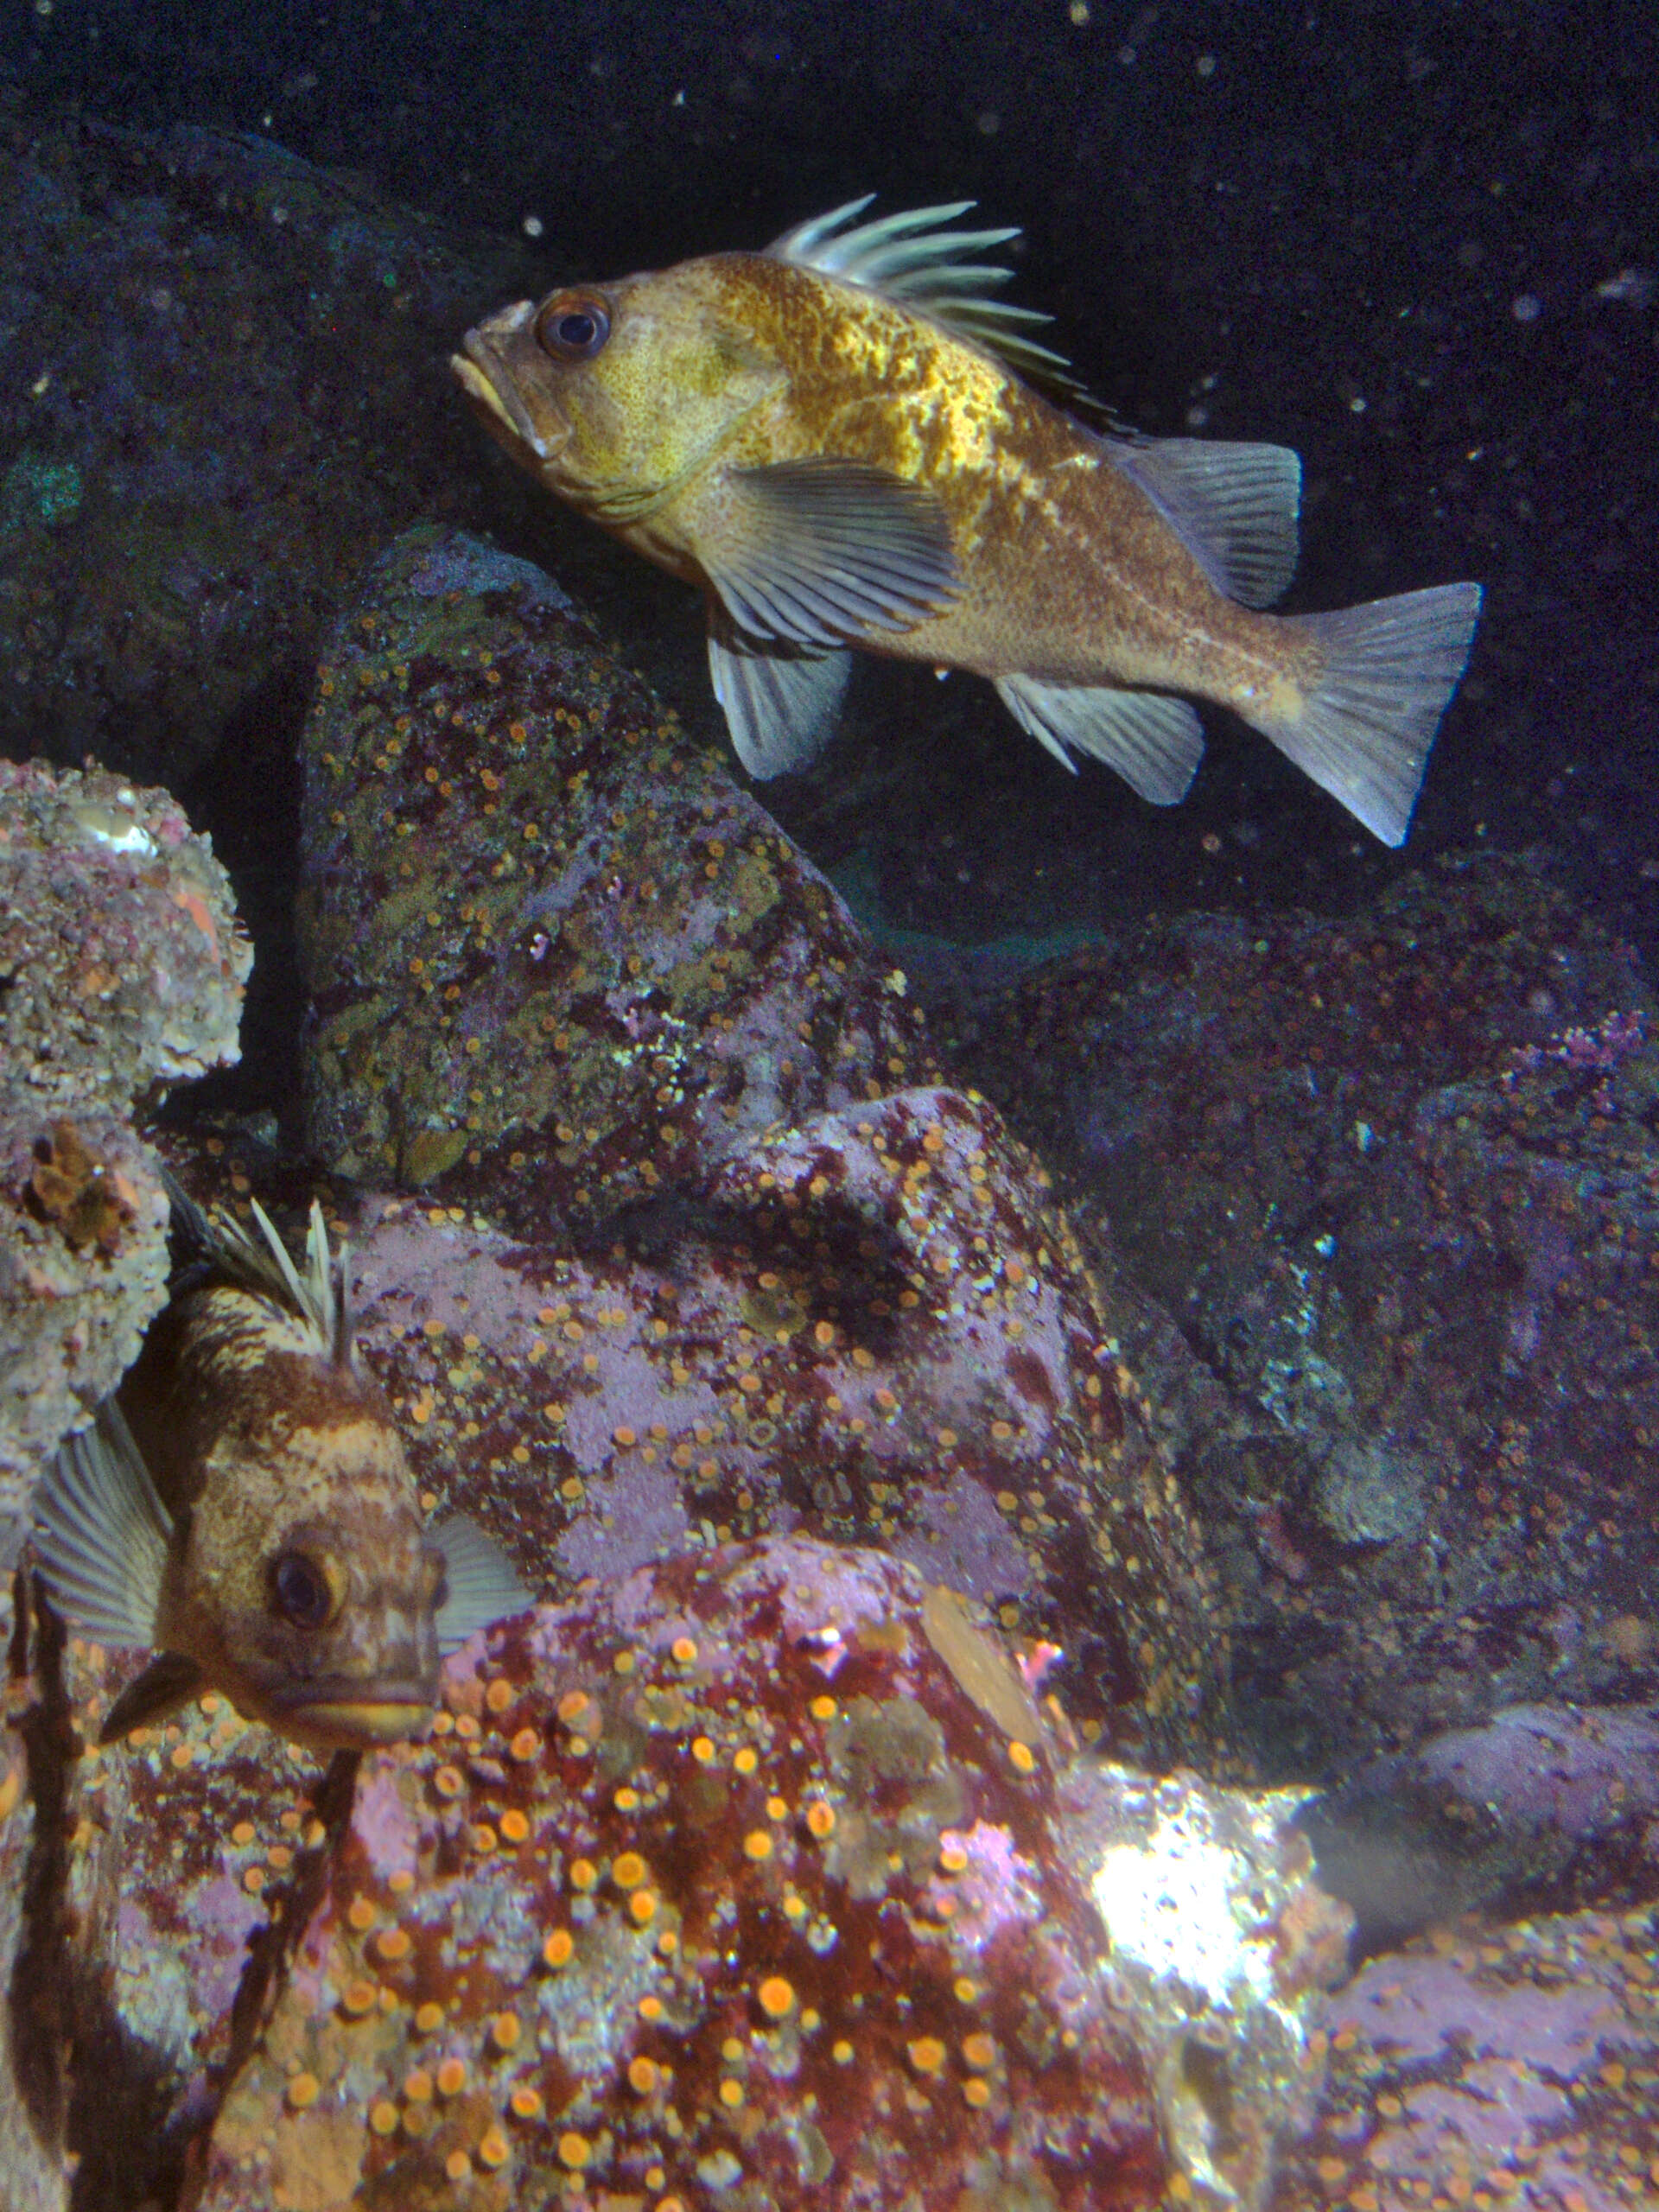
{"points": [[371, 1679], [484, 372]]}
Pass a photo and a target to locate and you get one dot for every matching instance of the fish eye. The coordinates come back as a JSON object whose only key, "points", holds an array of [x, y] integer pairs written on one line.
{"points": [[574, 326], [302, 1590]]}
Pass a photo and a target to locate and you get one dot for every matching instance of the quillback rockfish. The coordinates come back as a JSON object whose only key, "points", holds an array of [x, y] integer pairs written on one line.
{"points": [[245, 1507], [831, 438]]}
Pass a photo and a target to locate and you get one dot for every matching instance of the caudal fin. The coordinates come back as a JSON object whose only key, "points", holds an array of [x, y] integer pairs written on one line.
{"points": [[1388, 671]]}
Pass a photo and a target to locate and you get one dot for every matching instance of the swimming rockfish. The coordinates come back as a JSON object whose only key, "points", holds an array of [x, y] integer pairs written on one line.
{"points": [[246, 1508], [828, 439]]}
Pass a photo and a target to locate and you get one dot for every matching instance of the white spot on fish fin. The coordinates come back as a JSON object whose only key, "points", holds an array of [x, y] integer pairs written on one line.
{"points": [[101, 1534], [824, 552], [1233, 506], [482, 1587], [912, 259], [1153, 742], [780, 708], [1390, 668], [167, 1681]]}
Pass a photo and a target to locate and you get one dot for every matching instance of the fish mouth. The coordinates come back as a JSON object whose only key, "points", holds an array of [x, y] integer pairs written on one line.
{"points": [[483, 376], [340, 1718]]}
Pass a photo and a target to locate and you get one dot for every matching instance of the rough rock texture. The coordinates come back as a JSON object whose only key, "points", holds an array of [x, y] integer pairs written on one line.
{"points": [[1544, 1806], [738, 1881], [65, 2116], [566, 973], [1514, 2067], [557, 958], [1221, 1942], [225, 383], [1396, 1181], [121, 970], [867, 1329]]}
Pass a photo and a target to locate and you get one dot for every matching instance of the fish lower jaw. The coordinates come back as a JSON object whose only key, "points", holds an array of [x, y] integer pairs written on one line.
{"points": [[503, 413], [334, 1724]]}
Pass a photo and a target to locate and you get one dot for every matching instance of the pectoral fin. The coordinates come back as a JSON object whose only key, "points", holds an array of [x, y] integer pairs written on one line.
{"points": [[781, 708], [1153, 742], [481, 1585], [101, 1534], [168, 1681], [823, 552]]}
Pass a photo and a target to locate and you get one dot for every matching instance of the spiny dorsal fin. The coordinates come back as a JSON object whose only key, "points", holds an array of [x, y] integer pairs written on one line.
{"points": [[315, 1295], [911, 257]]}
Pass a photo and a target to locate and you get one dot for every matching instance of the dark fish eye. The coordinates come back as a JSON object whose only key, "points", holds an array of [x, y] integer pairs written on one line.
{"points": [[573, 326], [302, 1589]]}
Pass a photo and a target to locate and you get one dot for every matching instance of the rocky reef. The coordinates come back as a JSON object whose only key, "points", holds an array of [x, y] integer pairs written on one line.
{"points": [[1070, 1496], [227, 384], [1393, 1180], [121, 972]]}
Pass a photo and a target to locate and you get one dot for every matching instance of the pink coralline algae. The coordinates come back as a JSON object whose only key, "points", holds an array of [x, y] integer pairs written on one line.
{"points": [[660, 1913], [865, 1329], [1493, 2066], [1596, 1051]]}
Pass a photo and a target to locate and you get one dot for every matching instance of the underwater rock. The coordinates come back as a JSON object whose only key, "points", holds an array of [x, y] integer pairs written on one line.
{"points": [[868, 1329], [1395, 1179], [121, 970], [1485, 2066], [721, 1884], [61, 1866], [1222, 1940], [1545, 1807], [226, 389], [555, 953]]}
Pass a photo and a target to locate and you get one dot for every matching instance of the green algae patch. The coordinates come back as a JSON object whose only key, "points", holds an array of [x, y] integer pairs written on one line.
{"points": [[39, 493]]}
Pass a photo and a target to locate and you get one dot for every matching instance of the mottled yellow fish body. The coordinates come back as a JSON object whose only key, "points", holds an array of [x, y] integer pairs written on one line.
{"points": [[828, 438], [1068, 571]]}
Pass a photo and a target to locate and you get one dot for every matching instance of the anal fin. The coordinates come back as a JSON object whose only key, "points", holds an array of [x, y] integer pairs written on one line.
{"points": [[1152, 742]]}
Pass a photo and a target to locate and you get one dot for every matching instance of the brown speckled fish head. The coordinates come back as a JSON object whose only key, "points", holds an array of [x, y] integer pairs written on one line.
{"points": [[307, 1587], [247, 1510]]}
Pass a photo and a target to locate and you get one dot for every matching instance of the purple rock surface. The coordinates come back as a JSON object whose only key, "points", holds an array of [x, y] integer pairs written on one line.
{"points": [[1394, 1180]]}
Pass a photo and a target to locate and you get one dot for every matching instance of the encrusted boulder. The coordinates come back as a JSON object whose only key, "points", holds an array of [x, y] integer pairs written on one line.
{"points": [[560, 962], [738, 1880], [121, 971], [1396, 1180]]}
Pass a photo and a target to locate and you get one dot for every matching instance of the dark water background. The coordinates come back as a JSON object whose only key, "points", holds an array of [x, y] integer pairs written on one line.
{"points": [[1418, 243]]}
